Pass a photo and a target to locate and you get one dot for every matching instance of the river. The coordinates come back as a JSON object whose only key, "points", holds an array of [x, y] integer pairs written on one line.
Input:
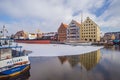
{"points": [[103, 64]]}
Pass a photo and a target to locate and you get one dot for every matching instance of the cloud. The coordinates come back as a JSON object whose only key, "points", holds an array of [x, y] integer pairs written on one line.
{"points": [[47, 15], [111, 17]]}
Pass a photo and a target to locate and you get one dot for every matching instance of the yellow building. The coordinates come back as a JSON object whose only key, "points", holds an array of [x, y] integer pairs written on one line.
{"points": [[90, 31], [89, 60]]}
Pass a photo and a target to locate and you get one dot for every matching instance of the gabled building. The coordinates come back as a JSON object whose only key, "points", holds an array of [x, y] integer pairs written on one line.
{"points": [[111, 36], [21, 35], [90, 31], [62, 32], [73, 31]]}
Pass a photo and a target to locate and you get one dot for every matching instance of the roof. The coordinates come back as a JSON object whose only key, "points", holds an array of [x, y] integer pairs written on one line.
{"points": [[112, 33], [92, 21], [77, 23], [65, 25]]}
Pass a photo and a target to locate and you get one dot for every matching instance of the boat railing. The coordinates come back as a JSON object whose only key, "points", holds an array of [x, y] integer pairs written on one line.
{"points": [[8, 43]]}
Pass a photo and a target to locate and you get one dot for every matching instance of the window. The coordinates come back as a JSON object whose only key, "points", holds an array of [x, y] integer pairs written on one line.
{"points": [[94, 40], [90, 39]]}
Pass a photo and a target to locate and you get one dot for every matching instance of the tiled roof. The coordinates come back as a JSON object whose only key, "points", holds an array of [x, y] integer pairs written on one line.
{"points": [[65, 25]]}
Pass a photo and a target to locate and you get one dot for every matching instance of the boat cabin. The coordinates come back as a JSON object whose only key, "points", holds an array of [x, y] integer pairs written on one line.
{"points": [[8, 51]]}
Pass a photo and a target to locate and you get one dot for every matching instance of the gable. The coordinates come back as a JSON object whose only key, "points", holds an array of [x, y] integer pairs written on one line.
{"points": [[74, 23]]}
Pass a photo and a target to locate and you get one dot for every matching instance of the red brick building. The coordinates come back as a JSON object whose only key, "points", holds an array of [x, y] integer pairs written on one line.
{"points": [[62, 32]]}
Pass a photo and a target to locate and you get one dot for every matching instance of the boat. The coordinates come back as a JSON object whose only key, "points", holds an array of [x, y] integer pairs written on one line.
{"points": [[13, 59], [33, 41], [116, 42]]}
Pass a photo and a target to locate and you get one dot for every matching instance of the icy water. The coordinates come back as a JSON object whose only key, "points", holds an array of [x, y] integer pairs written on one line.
{"points": [[103, 64]]}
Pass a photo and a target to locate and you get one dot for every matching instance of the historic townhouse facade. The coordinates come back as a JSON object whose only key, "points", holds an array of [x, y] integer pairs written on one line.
{"points": [[62, 32], [90, 31], [73, 31]]}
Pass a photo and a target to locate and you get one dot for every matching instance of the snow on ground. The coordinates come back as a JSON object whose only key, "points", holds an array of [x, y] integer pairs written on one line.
{"points": [[57, 49]]}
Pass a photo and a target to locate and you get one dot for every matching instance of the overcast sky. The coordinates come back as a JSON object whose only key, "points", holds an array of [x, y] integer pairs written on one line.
{"points": [[47, 15]]}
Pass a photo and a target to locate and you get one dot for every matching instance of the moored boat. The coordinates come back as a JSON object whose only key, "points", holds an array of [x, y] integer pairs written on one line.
{"points": [[13, 60], [33, 41], [116, 42]]}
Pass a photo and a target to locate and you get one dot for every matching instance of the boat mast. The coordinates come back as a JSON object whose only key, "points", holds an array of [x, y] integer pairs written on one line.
{"points": [[3, 31], [81, 24], [81, 17]]}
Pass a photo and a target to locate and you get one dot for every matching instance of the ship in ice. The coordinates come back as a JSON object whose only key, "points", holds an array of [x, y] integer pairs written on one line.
{"points": [[13, 59]]}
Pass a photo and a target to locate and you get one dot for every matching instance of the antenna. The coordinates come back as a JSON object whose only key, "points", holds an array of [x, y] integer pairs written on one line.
{"points": [[81, 17], [3, 30]]}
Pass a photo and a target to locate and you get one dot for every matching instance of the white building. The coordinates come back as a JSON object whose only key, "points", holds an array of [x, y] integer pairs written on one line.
{"points": [[73, 31], [32, 36]]}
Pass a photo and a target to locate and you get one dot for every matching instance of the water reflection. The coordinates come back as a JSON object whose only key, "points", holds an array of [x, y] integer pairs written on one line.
{"points": [[102, 64], [22, 76], [115, 47], [87, 61]]}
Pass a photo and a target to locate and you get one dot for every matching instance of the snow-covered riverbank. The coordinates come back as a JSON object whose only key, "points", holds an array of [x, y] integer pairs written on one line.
{"points": [[57, 49]]}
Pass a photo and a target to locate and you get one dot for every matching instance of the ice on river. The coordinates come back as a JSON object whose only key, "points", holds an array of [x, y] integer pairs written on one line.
{"points": [[57, 49]]}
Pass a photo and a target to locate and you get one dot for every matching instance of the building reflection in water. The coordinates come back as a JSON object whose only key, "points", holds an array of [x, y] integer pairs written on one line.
{"points": [[114, 48], [22, 76], [87, 60]]}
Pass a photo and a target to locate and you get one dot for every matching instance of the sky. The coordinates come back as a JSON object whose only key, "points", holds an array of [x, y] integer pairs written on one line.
{"points": [[47, 15]]}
